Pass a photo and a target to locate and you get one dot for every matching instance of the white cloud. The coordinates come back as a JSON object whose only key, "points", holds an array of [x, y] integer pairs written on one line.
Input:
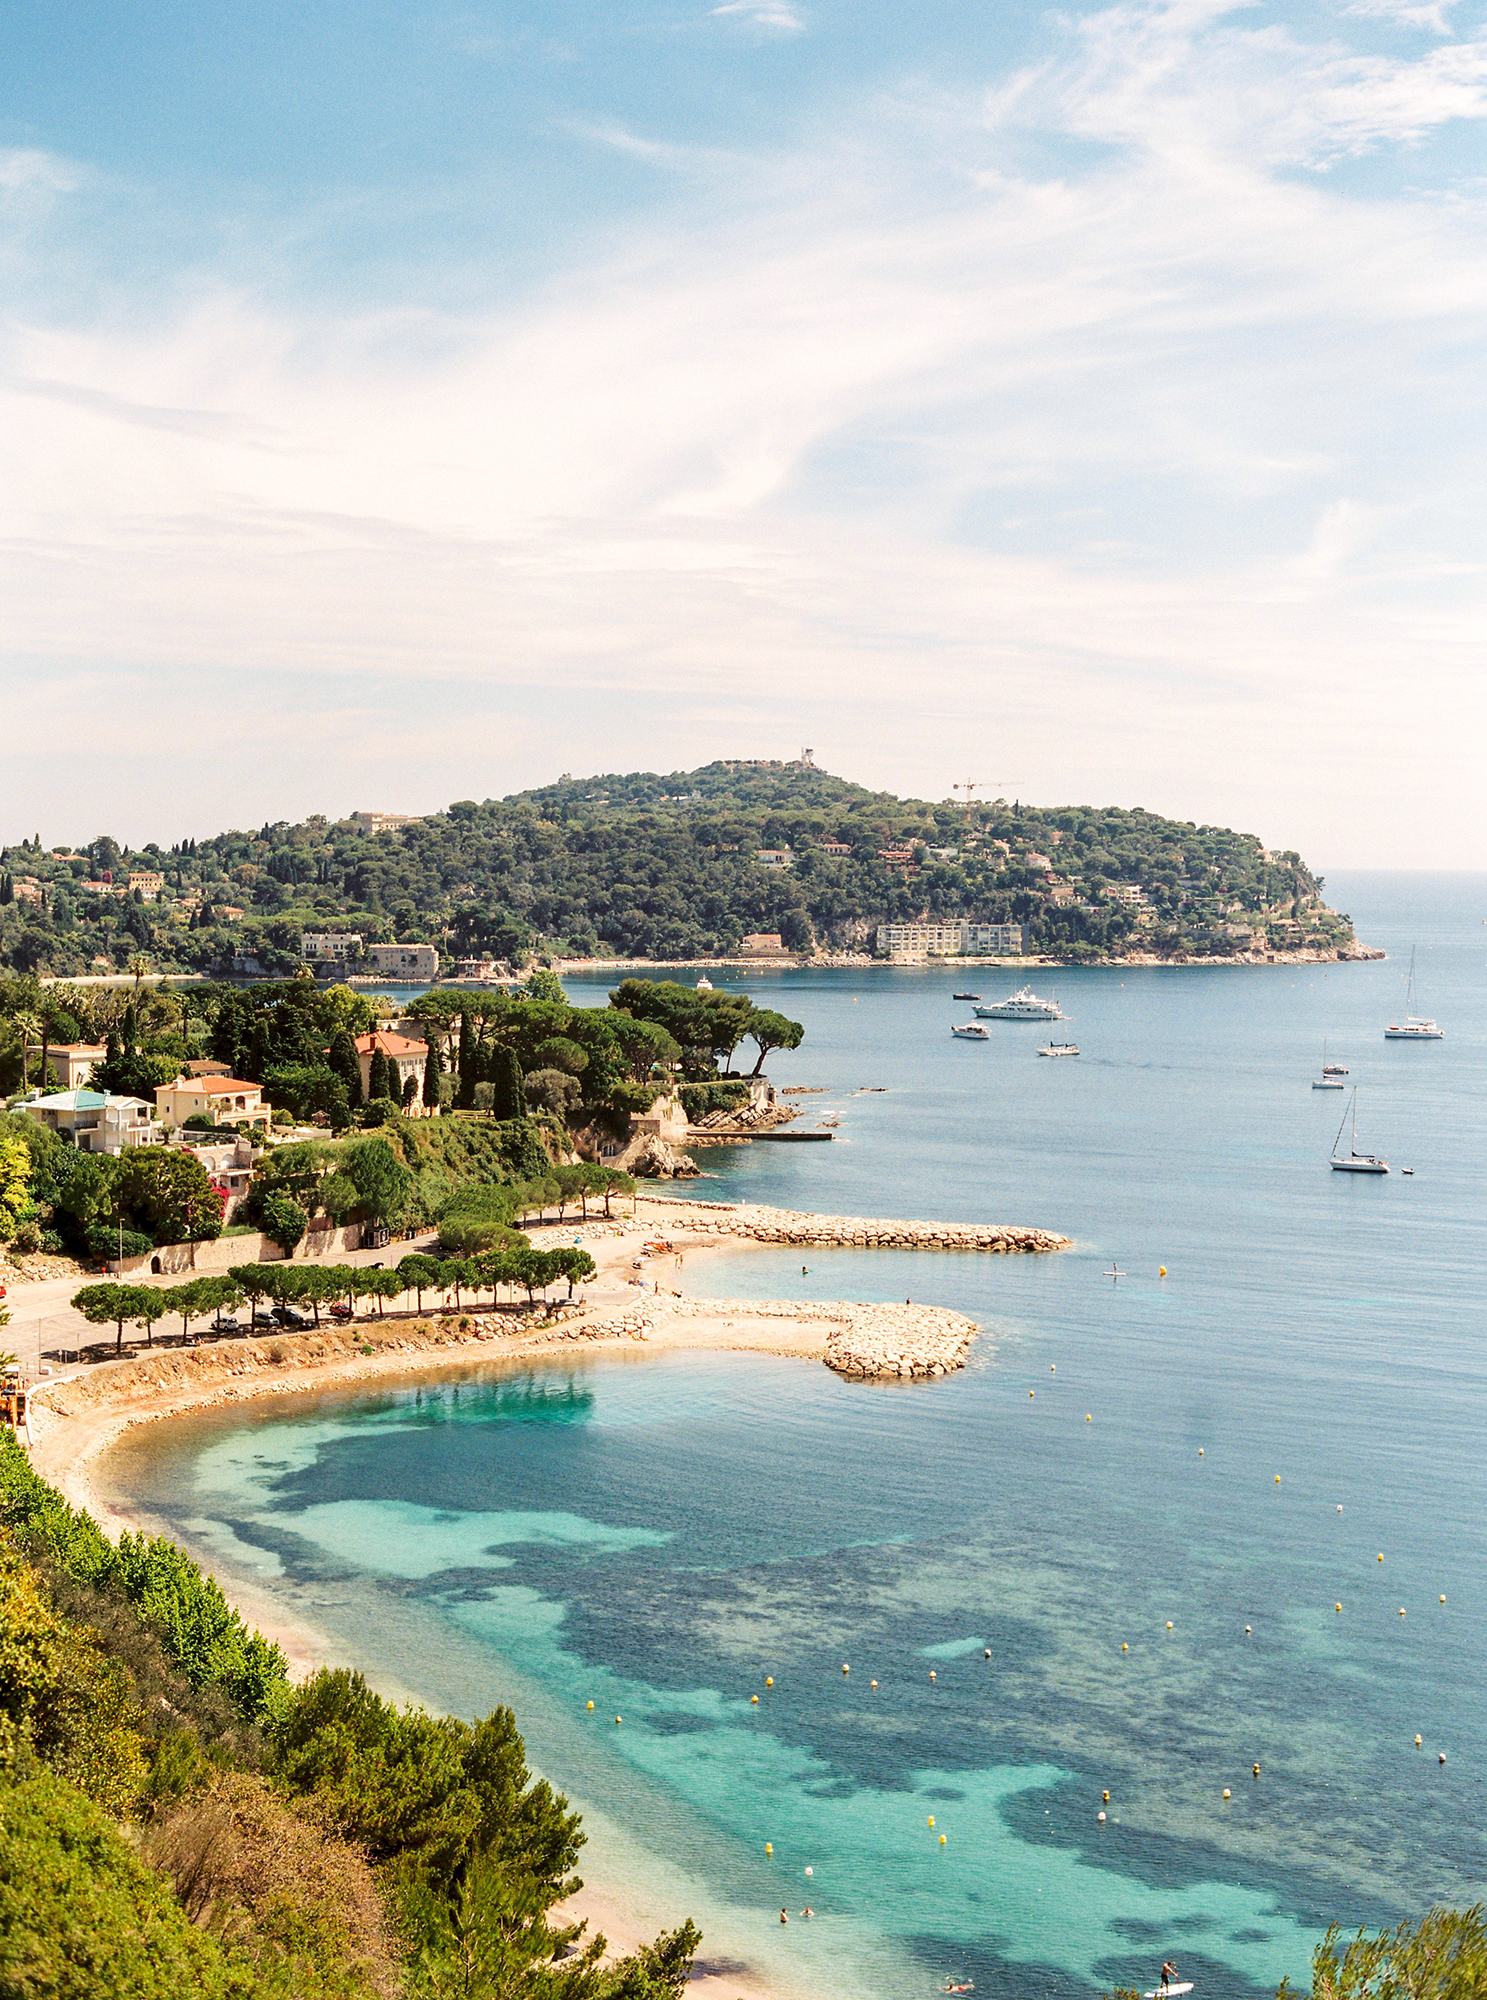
{"points": [[935, 455], [776, 14]]}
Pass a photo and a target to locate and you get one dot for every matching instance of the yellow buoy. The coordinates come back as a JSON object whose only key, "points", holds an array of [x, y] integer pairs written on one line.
{"points": [[754, 1699], [931, 1673], [619, 1718], [1443, 1600], [1124, 1647], [1053, 1368], [1257, 1770], [1418, 1741], [1401, 1611], [1169, 1624], [1246, 1631], [1441, 1756], [1277, 1479], [872, 1684], [591, 1708], [769, 1847], [1031, 1394], [1161, 1270], [845, 1668], [942, 1840], [1106, 1797], [769, 1680], [1226, 1791], [1339, 1607], [1200, 1451], [1381, 1555], [1088, 1418], [931, 1819]]}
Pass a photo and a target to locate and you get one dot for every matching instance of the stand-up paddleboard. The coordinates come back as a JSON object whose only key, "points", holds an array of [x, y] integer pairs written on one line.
{"points": [[1161, 1992]]}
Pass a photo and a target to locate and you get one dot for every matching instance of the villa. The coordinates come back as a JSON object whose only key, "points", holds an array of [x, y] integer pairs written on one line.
{"points": [[225, 1100], [96, 1121]]}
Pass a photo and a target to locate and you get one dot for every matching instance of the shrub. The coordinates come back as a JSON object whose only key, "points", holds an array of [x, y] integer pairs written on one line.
{"points": [[27, 1238], [107, 1243], [284, 1222]]}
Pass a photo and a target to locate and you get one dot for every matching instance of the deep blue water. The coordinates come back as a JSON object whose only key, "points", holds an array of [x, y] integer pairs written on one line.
{"points": [[657, 1536]]}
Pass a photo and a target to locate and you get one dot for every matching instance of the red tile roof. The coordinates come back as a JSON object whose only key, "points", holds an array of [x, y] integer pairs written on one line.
{"points": [[390, 1045]]}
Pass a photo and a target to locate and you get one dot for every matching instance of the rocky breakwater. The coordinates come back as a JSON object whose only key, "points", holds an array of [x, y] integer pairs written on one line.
{"points": [[864, 1342], [847, 1232]]}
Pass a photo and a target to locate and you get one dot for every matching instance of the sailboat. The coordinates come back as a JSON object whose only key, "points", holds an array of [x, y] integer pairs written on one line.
{"points": [[1354, 1162], [1415, 1027], [1332, 1075]]}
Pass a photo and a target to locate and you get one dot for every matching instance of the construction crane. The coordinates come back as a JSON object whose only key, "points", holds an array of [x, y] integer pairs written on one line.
{"points": [[970, 786]]}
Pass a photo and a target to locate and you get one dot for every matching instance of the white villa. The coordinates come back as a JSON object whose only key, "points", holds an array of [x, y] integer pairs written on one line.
{"points": [[96, 1121]]}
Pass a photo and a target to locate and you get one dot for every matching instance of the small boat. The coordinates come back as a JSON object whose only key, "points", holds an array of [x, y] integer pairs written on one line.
{"points": [[1332, 1074], [1414, 1027], [1023, 1006], [1354, 1162], [971, 1033], [704, 984], [961, 996], [1059, 1049]]}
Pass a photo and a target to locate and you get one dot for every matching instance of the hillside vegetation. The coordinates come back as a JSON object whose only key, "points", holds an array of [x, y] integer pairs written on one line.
{"points": [[178, 1822], [644, 865]]}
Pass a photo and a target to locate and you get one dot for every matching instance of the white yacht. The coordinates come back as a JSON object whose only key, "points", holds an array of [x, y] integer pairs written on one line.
{"points": [[971, 1033], [1022, 1006], [1354, 1162], [704, 984], [1414, 1027]]}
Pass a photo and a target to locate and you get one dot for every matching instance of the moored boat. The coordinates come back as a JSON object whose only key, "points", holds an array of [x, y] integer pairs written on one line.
{"points": [[1354, 1162], [1022, 1006], [1414, 1027], [971, 1033], [1059, 1049]]}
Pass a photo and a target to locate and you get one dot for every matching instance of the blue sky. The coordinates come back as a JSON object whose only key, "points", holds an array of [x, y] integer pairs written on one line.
{"points": [[407, 403]]}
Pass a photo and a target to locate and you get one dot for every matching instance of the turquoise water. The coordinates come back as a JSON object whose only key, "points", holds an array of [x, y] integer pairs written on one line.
{"points": [[659, 1535]]}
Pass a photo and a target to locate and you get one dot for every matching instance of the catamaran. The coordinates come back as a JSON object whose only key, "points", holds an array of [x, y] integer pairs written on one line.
{"points": [[1414, 1027], [1354, 1162], [1022, 1006]]}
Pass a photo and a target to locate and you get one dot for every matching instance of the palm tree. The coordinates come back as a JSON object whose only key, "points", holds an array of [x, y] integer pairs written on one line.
{"points": [[29, 1027], [138, 967]]}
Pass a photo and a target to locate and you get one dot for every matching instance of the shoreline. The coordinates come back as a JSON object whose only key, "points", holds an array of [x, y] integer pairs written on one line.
{"points": [[82, 1417]]}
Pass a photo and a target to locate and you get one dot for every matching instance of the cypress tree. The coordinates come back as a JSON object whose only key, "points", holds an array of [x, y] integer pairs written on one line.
{"points": [[433, 1069], [468, 1059], [379, 1084], [7, 888], [131, 1029], [506, 1076], [344, 1061]]}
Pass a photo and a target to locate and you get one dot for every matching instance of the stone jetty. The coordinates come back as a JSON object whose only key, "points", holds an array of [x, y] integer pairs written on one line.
{"points": [[848, 1232], [865, 1342]]}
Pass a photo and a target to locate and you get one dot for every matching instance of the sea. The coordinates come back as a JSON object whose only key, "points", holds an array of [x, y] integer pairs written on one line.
{"points": [[1157, 1633]]}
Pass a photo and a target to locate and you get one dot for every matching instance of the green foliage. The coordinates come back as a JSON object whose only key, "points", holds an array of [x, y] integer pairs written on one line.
{"points": [[308, 1090], [1442, 1957], [380, 1076], [15, 1179], [507, 1099], [550, 1090], [384, 1186], [129, 1073], [403, 1783], [198, 1629], [284, 1222], [106, 1241], [81, 1917], [700, 1099], [62, 1701], [167, 1194]]}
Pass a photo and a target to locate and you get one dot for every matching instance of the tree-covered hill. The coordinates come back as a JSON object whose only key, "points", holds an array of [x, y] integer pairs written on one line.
{"points": [[663, 866]]}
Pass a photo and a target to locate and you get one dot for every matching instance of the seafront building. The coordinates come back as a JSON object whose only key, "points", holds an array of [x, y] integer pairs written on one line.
{"points": [[957, 937]]}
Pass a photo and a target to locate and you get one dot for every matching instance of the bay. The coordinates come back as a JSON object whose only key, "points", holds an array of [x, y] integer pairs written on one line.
{"points": [[660, 1535]]}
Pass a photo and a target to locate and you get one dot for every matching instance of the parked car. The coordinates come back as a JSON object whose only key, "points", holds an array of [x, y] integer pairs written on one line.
{"points": [[288, 1316], [262, 1318], [340, 1310], [220, 1325]]}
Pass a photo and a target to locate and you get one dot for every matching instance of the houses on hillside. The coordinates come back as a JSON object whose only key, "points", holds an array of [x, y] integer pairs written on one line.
{"points": [[405, 1060]]}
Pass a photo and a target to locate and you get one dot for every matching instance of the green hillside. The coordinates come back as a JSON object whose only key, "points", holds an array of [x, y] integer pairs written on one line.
{"points": [[642, 864]]}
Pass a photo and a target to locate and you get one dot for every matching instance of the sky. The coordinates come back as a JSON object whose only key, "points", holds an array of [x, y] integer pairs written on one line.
{"points": [[403, 403]]}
